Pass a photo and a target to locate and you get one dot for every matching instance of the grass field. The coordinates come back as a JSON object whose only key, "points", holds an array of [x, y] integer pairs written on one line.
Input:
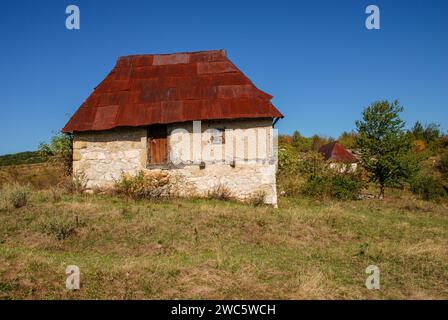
{"points": [[204, 249], [40, 176]]}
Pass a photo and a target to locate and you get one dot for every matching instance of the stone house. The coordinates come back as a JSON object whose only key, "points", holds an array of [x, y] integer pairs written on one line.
{"points": [[194, 115], [339, 157]]}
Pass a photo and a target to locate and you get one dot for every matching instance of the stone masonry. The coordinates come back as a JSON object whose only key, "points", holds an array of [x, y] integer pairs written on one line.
{"points": [[101, 158]]}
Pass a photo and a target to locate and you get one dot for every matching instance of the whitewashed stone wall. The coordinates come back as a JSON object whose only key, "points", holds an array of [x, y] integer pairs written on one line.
{"points": [[102, 157], [250, 174]]}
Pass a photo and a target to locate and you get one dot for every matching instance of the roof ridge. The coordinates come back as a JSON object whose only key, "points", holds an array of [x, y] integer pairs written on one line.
{"points": [[224, 51]]}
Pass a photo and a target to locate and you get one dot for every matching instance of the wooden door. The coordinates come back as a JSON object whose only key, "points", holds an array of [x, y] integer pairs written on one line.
{"points": [[157, 144]]}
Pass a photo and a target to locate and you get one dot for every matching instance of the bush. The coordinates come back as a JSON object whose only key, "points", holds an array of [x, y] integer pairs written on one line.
{"points": [[220, 192], [345, 186], [428, 188], [316, 186], [295, 168], [61, 227], [338, 185], [257, 198], [442, 165], [59, 151], [145, 185], [313, 163], [289, 185], [288, 159], [14, 195]]}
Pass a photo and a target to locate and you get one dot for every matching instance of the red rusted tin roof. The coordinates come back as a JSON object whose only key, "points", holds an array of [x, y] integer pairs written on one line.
{"points": [[168, 88], [336, 152]]}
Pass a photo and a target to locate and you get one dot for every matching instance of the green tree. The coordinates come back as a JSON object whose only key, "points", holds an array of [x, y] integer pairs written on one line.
{"points": [[59, 151], [418, 131], [430, 134], [347, 139], [301, 143], [384, 146]]}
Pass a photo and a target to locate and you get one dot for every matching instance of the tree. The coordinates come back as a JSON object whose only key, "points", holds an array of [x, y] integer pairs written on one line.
{"points": [[384, 146], [318, 141], [347, 139], [418, 131], [430, 134], [301, 143], [59, 151]]}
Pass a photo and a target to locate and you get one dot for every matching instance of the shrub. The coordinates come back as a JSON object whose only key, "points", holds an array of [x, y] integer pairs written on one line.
{"points": [[315, 186], [313, 163], [145, 185], [289, 185], [59, 151], [220, 192], [427, 187], [334, 184], [73, 184], [61, 227], [288, 159], [257, 198], [442, 165], [14, 195], [345, 186]]}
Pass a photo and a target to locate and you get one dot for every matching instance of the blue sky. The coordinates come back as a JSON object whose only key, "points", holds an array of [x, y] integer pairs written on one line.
{"points": [[315, 57]]}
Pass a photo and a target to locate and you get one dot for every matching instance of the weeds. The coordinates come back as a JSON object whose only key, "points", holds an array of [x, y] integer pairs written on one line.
{"points": [[14, 195], [62, 227], [144, 185], [75, 184], [257, 199], [56, 194], [220, 192]]}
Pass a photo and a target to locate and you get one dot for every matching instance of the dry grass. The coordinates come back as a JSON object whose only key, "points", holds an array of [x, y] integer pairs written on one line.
{"points": [[40, 176], [213, 249], [206, 248]]}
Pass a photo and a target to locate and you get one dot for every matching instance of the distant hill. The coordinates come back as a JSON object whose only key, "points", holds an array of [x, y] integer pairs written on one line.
{"points": [[27, 157]]}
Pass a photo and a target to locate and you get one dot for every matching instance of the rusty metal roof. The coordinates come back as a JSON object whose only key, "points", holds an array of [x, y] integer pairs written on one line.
{"points": [[336, 152], [169, 88]]}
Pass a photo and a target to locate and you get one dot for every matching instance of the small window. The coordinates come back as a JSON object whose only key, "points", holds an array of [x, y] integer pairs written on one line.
{"points": [[218, 136]]}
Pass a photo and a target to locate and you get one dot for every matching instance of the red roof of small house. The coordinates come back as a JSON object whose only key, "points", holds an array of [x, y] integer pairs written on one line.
{"points": [[168, 88], [336, 152]]}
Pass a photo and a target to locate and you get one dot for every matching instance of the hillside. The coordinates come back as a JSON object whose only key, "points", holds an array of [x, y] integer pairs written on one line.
{"points": [[27, 157]]}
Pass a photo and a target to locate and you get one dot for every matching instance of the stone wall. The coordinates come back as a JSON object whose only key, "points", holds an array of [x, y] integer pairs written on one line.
{"points": [[102, 157], [248, 170]]}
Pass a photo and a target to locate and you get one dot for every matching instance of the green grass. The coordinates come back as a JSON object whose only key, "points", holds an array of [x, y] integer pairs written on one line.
{"points": [[27, 157], [222, 249]]}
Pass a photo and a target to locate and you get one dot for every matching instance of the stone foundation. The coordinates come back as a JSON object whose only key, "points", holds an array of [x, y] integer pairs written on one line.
{"points": [[101, 158]]}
